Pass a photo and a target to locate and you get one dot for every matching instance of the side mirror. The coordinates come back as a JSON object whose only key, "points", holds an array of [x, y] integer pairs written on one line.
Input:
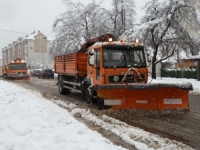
{"points": [[91, 57], [91, 52], [91, 60]]}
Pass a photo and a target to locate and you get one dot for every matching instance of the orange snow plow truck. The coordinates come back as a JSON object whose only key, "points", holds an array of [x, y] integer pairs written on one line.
{"points": [[16, 70], [114, 74]]}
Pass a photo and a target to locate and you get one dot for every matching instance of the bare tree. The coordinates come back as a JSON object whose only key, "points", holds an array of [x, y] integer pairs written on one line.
{"points": [[166, 29], [122, 16], [78, 24]]}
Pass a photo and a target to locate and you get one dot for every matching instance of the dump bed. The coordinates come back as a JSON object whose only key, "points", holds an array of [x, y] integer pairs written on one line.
{"points": [[71, 64]]}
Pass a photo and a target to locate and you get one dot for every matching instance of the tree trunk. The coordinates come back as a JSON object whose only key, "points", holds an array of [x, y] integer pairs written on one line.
{"points": [[153, 67], [198, 70]]}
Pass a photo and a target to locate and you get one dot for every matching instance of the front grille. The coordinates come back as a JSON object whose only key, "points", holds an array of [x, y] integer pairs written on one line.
{"points": [[129, 77], [18, 73]]}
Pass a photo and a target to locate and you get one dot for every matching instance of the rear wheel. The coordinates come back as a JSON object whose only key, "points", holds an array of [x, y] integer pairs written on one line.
{"points": [[61, 89]]}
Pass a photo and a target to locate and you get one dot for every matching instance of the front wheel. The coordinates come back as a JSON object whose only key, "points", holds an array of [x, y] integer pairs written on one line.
{"points": [[61, 89], [86, 93]]}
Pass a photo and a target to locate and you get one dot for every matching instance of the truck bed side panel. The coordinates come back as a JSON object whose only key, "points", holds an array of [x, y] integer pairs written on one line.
{"points": [[59, 64], [71, 64]]}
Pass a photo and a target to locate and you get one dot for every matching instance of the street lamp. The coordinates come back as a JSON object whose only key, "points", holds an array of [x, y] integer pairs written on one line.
{"points": [[26, 50]]}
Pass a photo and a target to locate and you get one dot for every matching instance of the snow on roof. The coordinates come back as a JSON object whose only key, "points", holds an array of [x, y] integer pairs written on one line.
{"points": [[194, 57], [184, 55], [31, 37]]}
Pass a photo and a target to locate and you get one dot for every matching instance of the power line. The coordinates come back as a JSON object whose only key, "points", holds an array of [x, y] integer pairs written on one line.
{"points": [[13, 31]]}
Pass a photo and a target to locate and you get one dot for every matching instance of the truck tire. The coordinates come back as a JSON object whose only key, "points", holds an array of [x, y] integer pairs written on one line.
{"points": [[85, 92], [61, 89]]}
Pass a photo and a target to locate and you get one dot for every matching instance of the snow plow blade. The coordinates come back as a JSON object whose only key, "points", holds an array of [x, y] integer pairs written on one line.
{"points": [[145, 96], [17, 78]]}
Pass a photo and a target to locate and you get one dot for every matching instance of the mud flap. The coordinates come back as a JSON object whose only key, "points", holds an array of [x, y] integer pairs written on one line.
{"points": [[145, 96]]}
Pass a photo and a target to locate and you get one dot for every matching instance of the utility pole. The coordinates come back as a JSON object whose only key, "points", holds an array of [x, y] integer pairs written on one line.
{"points": [[198, 70], [42, 59], [44, 38]]}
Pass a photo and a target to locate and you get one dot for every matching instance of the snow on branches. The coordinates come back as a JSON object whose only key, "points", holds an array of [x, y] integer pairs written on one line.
{"points": [[167, 28], [82, 22]]}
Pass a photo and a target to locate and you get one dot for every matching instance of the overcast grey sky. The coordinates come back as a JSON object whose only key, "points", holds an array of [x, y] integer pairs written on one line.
{"points": [[25, 16]]}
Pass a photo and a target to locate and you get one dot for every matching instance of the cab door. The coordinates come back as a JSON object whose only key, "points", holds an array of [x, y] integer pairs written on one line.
{"points": [[94, 67]]}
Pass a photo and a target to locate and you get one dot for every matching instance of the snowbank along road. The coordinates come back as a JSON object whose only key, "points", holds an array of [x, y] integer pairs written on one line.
{"points": [[179, 128]]}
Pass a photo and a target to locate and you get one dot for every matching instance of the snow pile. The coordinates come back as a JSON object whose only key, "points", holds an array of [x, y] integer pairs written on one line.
{"points": [[134, 136], [30, 122]]}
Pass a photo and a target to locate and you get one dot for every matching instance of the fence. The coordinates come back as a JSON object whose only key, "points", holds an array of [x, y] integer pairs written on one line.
{"points": [[189, 73]]}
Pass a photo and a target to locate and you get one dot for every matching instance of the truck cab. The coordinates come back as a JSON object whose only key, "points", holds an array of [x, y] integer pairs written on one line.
{"points": [[16, 70], [109, 62]]}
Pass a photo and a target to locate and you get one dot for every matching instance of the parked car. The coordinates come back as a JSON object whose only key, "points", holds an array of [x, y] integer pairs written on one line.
{"points": [[46, 73], [35, 72]]}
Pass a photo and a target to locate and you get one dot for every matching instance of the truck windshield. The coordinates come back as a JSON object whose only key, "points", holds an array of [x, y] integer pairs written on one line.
{"points": [[18, 66], [123, 56]]}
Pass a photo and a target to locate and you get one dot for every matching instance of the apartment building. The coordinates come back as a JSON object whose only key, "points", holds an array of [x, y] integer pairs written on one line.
{"points": [[33, 48]]}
